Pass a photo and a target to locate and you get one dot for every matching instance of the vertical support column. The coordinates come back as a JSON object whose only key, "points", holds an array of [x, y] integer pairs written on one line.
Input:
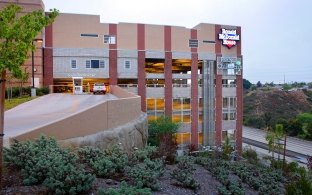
{"points": [[194, 92], [48, 57], [168, 71], [141, 66], [239, 94], [218, 140], [113, 56], [239, 113], [218, 102], [209, 104]]}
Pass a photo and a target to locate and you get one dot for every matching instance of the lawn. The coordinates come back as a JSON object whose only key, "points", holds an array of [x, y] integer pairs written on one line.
{"points": [[8, 104]]}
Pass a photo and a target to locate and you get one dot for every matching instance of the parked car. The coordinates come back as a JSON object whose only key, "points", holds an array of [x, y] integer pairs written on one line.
{"points": [[99, 88]]}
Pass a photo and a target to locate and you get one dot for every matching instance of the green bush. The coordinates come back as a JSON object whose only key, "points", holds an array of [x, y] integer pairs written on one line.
{"points": [[146, 174], [141, 154], [250, 154], [184, 174], [43, 162], [125, 189], [42, 91], [88, 154], [111, 161]]}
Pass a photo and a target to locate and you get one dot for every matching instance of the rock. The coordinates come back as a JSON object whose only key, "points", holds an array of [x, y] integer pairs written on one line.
{"points": [[129, 136]]}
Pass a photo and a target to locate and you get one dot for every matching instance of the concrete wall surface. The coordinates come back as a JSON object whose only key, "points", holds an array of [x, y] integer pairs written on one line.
{"points": [[98, 118]]}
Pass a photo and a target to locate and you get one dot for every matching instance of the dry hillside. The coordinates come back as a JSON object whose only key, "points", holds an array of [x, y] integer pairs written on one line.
{"points": [[277, 104]]}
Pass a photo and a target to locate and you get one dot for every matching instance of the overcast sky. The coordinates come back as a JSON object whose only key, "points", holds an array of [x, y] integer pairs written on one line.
{"points": [[276, 34]]}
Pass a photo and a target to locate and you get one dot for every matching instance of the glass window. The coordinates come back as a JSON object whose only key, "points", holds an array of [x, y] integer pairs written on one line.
{"points": [[73, 64], [102, 64], [193, 43], [127, 64], [110, 39], [95, 64], [89, 35], [88, 64]]}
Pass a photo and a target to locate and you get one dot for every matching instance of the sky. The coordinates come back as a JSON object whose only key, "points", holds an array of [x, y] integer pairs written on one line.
{"points": [[276, 34]]}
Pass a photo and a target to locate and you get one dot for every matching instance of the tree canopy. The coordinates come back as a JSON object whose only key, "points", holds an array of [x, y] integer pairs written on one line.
{"points": [[17, 33]]}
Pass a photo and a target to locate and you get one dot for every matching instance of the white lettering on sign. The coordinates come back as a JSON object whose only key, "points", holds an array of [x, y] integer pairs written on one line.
{"points": [[228, 37]]}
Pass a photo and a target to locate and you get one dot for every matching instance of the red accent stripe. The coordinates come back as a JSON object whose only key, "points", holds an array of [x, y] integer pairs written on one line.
{"points": [[239, 111], [168, 84], [141, 66], [113, 56], [218, 127], [194, 99], [113, 31], [239, 43], [167, 32], [168, 71], [141, 36], [218, 42], [193, 36], [48, 56]]}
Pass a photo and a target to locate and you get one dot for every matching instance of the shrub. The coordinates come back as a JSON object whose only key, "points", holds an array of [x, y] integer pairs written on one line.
{"points": [[141, 154], [111, 161], [250, 155], [87, 154], [44, 162], [146, 174], [125, 189], [184, 174], [42, 91], [67, 178]]}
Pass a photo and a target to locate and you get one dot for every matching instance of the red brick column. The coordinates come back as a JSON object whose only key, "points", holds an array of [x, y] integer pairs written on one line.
{"points": [[113, 56], [194, 92], [168, 71], [239, 96], [218, 110], [239, 112], [141, 66], [48, 57], [218, 103]]}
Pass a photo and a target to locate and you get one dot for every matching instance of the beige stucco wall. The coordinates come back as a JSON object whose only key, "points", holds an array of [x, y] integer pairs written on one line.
{"points": [[180, 39], [101, 117], [127, 37], [67, 29], [154, 37], [206, 32]]}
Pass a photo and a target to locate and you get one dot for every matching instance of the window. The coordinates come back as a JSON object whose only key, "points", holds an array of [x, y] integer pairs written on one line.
{"points": [[88, 64], [229, 108], [102, 64], [110, 39], [89, 35], [193, 43], [73, 64], [95, 64], [127, 64]]}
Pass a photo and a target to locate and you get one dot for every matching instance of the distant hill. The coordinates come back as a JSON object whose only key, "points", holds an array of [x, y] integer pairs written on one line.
{"points": [[268, 106]]}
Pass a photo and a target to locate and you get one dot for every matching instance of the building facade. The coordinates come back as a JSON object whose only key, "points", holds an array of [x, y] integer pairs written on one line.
{"points": [[192, 75]]}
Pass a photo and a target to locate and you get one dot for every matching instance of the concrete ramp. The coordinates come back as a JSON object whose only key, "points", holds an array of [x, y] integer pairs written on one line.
{"points": [[66, 116]]}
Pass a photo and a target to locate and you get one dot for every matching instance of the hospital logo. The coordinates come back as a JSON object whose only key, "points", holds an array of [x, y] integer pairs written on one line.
{"points": [[228, 37]]}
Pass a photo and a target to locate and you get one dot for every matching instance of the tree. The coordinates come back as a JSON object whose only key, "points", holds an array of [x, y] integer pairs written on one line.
{"points": [[259, 84], [17, 32], [246, 84], [274, 137], [161, 132]]}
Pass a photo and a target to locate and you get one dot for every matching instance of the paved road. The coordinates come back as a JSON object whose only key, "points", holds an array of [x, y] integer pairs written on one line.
{"points": [[46, 109], [292, 144]]}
